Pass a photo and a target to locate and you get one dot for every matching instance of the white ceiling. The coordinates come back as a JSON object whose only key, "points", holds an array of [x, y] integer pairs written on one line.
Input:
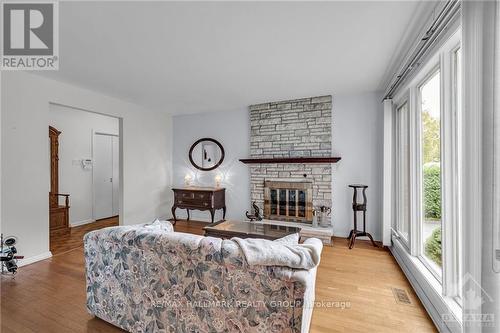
{"points": [[196, 57]]}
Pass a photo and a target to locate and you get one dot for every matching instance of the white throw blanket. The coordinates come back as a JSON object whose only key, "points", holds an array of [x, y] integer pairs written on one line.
{"points": [[274, 253]]}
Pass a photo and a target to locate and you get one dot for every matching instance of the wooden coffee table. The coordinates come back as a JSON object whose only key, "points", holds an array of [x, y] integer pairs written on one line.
{"points": [[230, 228]]}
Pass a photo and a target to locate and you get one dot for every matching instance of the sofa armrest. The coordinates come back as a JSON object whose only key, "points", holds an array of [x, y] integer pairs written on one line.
{"points": [[317, 245]]}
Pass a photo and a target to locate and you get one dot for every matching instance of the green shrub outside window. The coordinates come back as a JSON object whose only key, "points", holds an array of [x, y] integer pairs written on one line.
{"points": [[432, 191], [433, 246]]}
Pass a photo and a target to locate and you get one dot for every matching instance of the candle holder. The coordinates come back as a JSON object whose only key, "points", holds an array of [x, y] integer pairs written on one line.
{"points": [[218, 179], [187, 180]]}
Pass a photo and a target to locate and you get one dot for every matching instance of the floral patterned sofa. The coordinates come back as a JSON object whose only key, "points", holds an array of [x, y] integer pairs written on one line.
{"points": [[148, 278]]}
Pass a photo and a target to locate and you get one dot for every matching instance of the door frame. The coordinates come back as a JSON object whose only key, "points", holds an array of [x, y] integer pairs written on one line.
{"points": [[94, 133]]}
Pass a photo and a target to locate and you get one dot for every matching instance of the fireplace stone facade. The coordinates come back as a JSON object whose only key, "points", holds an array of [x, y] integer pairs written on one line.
{"points": [[294, 128]]}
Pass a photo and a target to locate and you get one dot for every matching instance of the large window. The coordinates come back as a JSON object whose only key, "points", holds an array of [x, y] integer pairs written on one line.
{"points": [[427, 143], [430, 142]]}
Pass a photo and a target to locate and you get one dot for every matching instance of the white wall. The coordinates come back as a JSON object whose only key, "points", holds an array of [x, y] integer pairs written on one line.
{"points": [[75, 144], [145, 152], [357, 131], [232, 130]]}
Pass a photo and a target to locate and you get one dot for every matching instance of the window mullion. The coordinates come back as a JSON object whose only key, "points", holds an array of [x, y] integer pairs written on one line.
{"points": [[447, 175], [415, 221], [451, 174]]}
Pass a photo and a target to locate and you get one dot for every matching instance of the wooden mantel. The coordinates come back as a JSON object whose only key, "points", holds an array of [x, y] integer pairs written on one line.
{"points": [[299, 160]]}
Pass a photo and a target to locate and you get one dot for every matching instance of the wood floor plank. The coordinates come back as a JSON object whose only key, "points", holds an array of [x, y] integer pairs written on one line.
{"points": [[49, 296], [63, 243]]}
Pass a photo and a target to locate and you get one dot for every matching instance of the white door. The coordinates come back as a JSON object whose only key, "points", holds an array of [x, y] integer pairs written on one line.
{"points": [[103, 177]]}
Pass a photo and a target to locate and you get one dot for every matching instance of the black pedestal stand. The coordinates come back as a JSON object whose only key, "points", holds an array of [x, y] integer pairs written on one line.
{"points": [[356, 207]]}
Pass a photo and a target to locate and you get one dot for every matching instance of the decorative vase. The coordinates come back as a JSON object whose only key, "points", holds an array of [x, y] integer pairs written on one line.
{"points": [[324, 212]]}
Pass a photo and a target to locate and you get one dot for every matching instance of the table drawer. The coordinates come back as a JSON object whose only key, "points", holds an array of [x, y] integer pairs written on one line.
{"points": [[184, 195], [193, 203], [203, 196], [188, 198], [192, 195]]}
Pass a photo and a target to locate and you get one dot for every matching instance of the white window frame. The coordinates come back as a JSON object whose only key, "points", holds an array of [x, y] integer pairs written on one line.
{"points": [[449, 281], [453, 286], [496, 146], [419, 246], [397, 153]]}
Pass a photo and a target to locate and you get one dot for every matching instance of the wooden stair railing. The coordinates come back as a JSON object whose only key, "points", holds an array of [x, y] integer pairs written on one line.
{"points": [[55, 199]]}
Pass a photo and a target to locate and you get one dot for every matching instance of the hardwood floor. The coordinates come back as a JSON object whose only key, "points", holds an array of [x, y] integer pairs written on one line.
{"points": [[64, 243], [49, 296]]}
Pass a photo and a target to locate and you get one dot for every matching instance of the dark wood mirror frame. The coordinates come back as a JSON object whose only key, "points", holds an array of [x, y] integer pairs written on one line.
{"points": [[217, 164]]}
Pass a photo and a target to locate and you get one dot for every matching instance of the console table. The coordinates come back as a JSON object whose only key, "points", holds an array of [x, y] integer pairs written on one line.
{"points": [[200, 198]]}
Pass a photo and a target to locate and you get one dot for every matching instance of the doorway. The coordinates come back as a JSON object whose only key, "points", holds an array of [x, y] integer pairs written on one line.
{"points": [[106, 176], [88, 171]]}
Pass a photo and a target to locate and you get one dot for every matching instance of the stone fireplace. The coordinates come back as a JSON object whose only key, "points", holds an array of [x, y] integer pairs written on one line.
{"points": [[289, 129]]}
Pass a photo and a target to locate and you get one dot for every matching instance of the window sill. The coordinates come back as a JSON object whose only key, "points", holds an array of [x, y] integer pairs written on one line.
{"points": [[444, 311]]}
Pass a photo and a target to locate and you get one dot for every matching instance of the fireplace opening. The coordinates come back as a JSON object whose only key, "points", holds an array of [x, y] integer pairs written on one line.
{"points": [[288, 200]]}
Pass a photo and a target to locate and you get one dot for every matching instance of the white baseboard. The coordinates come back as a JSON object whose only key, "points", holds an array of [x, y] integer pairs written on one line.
{"points": [[78, 223], [31, 260]]}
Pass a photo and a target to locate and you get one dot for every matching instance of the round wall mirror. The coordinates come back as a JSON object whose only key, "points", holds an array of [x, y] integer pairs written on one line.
{"points": [[206, 154]]}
